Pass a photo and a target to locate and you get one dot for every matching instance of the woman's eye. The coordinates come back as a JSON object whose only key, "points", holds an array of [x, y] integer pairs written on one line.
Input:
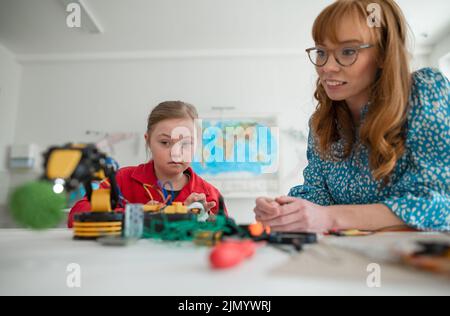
{"points": [[321, 53], [348, 52], [164, 143]]}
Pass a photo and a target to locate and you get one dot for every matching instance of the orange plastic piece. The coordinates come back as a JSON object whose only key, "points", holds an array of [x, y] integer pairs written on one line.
{"points": [[230, 253]]}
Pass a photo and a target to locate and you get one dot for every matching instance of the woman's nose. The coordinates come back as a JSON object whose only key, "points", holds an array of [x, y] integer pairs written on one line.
{"points": [[331, 66]]}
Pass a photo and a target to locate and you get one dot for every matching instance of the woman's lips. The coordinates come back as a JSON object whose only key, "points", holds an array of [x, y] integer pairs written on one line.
{"points": [[334, 84]]}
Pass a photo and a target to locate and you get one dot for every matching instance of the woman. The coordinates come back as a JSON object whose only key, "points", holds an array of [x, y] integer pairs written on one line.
{"points": [[379, 144]]}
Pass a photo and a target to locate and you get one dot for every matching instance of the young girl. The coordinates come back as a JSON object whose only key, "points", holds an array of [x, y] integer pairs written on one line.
{"points": [[379, 145], [142, 184]]}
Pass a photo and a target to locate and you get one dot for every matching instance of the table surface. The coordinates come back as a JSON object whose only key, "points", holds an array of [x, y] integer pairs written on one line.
{"points": [[35, 263]]}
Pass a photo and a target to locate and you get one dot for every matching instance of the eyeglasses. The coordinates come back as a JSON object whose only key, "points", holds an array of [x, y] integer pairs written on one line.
{"points": [[345, 56]]}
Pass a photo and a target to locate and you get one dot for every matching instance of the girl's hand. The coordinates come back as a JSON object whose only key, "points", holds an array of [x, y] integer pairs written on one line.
{"points": [[288, 214], [200, 197]]}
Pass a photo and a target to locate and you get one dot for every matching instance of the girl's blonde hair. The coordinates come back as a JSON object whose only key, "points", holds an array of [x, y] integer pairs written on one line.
{"points": [[383, 128], [170, 110]]}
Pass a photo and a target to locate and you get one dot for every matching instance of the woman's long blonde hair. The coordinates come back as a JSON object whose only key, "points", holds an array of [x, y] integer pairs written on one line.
{"points": [[383, 128]]}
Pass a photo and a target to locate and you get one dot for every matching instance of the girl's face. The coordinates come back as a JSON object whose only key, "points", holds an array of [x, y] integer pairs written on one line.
{"points": [[351, 83], [172, 145]]}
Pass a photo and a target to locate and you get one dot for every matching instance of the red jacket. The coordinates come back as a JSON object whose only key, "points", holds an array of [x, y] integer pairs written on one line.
{"points": [[131, 182]]}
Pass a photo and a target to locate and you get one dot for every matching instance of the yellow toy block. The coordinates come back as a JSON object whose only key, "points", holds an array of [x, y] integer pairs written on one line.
{"points": [[176, 208], [152, 208]]}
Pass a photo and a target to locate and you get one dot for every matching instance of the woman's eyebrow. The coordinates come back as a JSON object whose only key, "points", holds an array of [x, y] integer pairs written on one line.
{"points": [[350, 41]]}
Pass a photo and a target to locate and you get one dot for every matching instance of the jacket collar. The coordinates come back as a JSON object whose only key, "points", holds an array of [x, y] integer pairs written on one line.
{"points": [[145, 174]]}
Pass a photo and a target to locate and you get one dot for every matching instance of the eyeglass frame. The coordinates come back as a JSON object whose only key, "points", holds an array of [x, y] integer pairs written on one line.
{"points": [[358, 48]]}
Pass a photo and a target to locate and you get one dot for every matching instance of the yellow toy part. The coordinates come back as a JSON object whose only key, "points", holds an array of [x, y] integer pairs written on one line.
{"points": [[62, 163], [176, 208], [152, 208], [89, 230], [97, 234], [100, 200], [97, 224], [100, 174], [97, 229]]}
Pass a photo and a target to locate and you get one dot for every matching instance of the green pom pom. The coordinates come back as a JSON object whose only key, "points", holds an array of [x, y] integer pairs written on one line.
{"points": [[35, 205]]}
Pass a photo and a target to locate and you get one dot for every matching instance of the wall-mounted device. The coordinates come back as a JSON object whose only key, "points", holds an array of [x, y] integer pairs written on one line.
{"points": [[23, 157]]}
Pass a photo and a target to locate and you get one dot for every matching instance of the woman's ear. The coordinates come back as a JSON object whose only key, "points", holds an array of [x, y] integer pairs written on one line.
{"points": [[147, 139], [147, 146]]}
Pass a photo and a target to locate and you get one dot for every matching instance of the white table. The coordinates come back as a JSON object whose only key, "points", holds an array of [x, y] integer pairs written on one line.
{"points": [[35, 263]]}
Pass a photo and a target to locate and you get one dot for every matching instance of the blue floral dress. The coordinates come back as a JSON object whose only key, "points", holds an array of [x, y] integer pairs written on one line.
{"points": [[419, 191]]}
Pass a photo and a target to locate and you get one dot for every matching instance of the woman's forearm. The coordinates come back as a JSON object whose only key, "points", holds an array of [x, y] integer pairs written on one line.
{"points": [[363, 217]]}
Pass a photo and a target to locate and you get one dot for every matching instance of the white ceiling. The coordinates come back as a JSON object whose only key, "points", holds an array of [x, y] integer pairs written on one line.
{"points": [[30, 27]]}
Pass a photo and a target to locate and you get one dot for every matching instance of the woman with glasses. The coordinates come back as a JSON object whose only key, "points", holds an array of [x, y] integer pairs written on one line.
{"points": [[379, 144]]}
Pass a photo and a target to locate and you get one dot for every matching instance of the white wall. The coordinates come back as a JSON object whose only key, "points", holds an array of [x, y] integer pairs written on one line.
{"points": [[440, 50], [420, 60], [445, 65], [10, 74], [61, 100]]}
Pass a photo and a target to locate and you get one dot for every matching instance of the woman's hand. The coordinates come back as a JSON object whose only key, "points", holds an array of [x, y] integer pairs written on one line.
{"points": [[200, 197], [288, 214]]}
